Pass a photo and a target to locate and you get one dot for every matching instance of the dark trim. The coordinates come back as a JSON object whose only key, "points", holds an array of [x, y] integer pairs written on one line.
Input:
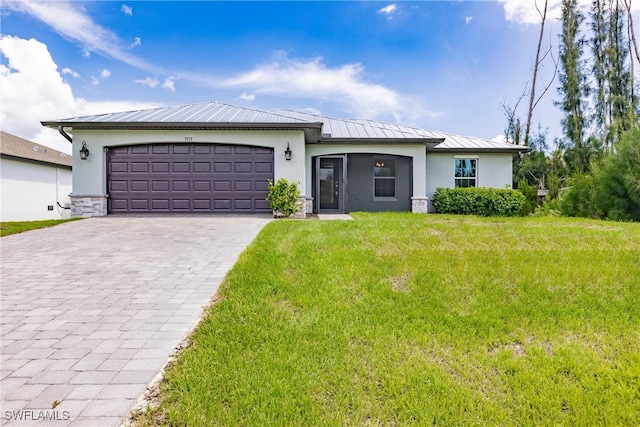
{"points": [[389, 141], [182, 125], [515, 150], [38, 162]]}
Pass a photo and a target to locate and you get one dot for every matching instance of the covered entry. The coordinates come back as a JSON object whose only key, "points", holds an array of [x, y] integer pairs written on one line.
{"points": [[183, 178]]}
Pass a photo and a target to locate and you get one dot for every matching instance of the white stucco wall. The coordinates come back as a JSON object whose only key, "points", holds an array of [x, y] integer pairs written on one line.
{"points": [[417, 152], [493, 170], [90, 176], [27, 189]]}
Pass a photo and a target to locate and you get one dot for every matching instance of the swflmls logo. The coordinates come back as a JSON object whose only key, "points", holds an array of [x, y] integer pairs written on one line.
{"points": [[36, 415]]}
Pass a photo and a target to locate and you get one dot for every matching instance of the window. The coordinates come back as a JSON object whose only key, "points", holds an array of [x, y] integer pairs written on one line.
{"points": [[466, 172], [384, 178]]}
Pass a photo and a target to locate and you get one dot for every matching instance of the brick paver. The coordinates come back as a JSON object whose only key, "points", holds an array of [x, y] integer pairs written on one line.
{"points": [[91, 310]]}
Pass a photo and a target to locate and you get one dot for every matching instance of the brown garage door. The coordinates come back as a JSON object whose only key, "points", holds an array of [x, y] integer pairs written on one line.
{"points": [[209, 178]]}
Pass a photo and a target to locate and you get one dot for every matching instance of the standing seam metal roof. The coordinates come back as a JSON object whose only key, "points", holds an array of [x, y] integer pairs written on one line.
{"points": [[213, 113]]}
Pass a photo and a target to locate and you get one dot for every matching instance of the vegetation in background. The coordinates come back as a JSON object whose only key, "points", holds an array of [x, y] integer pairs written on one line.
{"points": [[283, 197], [404, 319], [14, 227], [587, 174], [479, 201]]}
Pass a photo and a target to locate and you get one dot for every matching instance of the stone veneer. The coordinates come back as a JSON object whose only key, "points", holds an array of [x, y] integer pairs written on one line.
{"points": [[309, 205], [419, 204], [86, 206]]}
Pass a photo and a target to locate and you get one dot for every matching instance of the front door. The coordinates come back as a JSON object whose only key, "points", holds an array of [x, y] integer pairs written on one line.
{"points": [[330, 184]]}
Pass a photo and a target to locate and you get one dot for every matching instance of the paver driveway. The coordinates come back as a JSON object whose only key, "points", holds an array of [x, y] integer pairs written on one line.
{"points": [[92, 309]]}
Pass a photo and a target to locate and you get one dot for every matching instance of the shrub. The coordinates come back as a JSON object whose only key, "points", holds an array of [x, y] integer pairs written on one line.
{"points": [[479, 201], [283, 197], [579, 199], [531, 196]]}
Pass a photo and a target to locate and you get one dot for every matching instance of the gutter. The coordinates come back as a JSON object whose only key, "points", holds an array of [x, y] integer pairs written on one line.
{"points": [[63, 133]]}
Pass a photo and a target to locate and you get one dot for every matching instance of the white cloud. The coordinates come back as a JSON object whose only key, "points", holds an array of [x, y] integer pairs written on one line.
{"points": [[136, 42], [388, 9], [127, 10], [501, 138], [33, 90], [248, 96], [104, 74], [148, 82], [70, 72], [71, 22], [343, 85], [468, 19], [525, 12], [169, 84]]}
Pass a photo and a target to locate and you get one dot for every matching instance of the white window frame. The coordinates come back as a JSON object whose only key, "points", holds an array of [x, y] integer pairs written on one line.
{"points": [[456, 179]]}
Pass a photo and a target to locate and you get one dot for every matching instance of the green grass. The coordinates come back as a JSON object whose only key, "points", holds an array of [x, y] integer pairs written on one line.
{"points": [[402, 319], [15, 227]]}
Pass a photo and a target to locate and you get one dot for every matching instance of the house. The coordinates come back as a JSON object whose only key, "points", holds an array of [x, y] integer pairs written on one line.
{"points": [[217, 158], [35, 181]]}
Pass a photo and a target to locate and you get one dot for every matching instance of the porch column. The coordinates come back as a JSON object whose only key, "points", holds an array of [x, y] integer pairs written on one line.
{"points": [[419, 199]]}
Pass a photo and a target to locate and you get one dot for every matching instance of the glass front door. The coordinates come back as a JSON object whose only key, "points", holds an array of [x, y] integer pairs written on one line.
{"points": [[330, 184]]}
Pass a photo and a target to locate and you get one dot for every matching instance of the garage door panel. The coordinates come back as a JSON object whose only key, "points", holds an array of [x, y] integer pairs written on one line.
{"points": [[202, 167], [202, 186], [244, 186], [139, 186], [181, 205], [139, 167], [222, 167], [181, 185], [140, 149], [189, 178], [162, 186], [180, 149], [243, 167], [264, 167]]}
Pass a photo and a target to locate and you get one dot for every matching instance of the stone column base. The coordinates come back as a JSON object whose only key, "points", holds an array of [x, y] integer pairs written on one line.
{"points": [[85, 206], [309, 205], [419, 204], [301, 208]]}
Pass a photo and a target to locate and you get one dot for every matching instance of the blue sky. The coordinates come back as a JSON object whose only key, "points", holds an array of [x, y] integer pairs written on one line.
{"points": [[442, 65]]}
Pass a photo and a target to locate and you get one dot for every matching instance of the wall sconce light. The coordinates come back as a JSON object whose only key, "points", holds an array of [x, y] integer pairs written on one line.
{"points": [[84, 151], [287, 153]]}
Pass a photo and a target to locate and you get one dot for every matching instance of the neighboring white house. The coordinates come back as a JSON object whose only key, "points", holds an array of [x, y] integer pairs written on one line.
{"points": [[218, 158], [35, 181]]}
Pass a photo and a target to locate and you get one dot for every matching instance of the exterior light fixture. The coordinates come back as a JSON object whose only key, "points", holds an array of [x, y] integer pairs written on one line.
{"points": [[287, 153], [84, 151]]}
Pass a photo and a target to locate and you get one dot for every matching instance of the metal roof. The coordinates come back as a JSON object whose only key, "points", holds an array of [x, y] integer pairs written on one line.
{"points": [[318, 129], [212, 113], [20, 148]]}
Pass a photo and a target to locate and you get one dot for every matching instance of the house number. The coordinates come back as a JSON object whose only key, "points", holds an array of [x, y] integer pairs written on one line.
{"points": [[188, 138]]}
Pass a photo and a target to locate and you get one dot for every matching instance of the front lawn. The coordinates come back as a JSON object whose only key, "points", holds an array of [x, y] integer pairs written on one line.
{"points": [[404, 319], [14, 227]]}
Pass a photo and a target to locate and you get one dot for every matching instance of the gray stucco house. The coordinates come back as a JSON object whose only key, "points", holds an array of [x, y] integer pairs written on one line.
{"points": [[217, 158]]}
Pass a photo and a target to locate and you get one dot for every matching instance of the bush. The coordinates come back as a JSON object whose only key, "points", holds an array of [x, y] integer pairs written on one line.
{"points": [[531, 196], [618, 180], [579, 199], [283, 197], [479, 201]]}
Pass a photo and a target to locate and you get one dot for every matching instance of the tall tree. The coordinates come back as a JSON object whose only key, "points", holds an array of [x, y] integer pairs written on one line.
{"points": [[615, 102], [573, 87], [536, 65]]}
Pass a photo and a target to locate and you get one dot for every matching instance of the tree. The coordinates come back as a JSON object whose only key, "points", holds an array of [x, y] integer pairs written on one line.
{"points": [[540, 57], [573, 85], [615, 102]]}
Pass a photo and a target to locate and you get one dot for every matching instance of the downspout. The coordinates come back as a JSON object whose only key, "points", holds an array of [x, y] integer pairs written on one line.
{"points": [[68, 138], [66, 135]]}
